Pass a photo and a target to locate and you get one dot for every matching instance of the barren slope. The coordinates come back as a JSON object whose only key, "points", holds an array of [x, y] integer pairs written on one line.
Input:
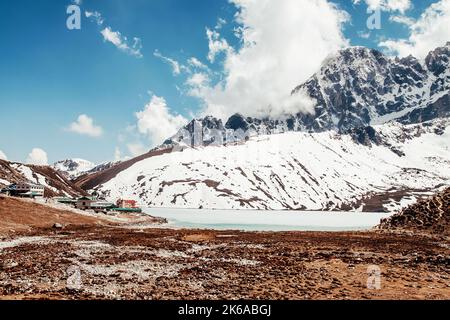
{"points": [[17, 215], [430, 215]]}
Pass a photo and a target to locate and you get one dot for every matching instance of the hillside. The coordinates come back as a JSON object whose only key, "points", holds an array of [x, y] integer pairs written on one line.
{"points": [[429, 215], [371, 171], [18, 215], [101, 175], [55, 182]]}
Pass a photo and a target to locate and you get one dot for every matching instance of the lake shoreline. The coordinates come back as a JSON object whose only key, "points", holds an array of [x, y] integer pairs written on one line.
{"points": [[271, 221]]}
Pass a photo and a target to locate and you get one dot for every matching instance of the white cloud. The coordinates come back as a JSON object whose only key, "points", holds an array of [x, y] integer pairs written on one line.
{"points": [[284, 43], [85, 126], [195, 63], [220, 23], [3, 156], [408, 21], [38, 157], [95, 16], [156, 121], [176, 66], [136, 149], [117, 154], [198, 79], [216, 45], [121, 42], [431, 30], [387, 5]]}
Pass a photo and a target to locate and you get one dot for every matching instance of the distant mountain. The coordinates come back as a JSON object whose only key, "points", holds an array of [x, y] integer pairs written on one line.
{"points": [[357, 87], [55, 182], [72, 168], [379, 140], [384, 169], [103, 166]]}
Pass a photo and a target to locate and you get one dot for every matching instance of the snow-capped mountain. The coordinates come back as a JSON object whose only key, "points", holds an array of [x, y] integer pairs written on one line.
{"points": [[357, 87], [102, 167], [368, 170], [379, 138], [360, 87], [72, 168]]}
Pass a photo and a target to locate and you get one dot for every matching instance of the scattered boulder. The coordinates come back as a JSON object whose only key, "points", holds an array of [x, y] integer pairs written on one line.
{"points": [[58, 226]]}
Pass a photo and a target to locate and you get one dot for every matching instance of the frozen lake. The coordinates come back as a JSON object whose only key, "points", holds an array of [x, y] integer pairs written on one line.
{"points": [[268, 220]]}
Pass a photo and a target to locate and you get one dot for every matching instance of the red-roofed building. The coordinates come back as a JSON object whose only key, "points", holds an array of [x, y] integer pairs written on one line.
{"points": [[122, 203]]}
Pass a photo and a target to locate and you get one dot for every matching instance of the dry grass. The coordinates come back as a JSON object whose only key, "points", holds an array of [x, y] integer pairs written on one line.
{"points": [[17, 215]]}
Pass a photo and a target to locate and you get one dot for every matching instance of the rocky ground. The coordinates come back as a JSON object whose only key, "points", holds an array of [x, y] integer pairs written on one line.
{"points": [[85, 260], [98, 262], [430, 215]]}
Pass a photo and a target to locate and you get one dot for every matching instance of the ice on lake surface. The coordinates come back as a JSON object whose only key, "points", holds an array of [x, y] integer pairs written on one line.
{"points": [[248, 220]]}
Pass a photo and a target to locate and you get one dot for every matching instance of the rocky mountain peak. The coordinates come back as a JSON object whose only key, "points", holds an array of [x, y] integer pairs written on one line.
{"points": [[355, 88], [72, 168], [438, 60]]}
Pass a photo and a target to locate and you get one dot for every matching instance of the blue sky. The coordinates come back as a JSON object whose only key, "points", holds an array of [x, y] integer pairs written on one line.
{"points": [[51, 75]]}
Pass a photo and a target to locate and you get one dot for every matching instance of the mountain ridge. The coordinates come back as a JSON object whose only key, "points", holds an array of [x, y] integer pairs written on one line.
{"points": [[370, 111], [357, 87]]}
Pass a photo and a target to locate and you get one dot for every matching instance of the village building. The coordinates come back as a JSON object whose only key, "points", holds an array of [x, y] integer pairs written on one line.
{"points": [[25, 189], [85, 203], [65, 200], [102, 206], [126, 204]]}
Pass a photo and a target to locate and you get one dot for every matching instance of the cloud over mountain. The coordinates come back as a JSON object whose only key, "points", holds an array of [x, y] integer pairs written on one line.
{"points": [[156, 121], [38, 157], [283, 43]]}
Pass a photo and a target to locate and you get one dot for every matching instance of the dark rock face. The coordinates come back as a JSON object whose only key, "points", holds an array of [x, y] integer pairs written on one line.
{"points": [[365, 136], [438, 60], [359, 87], [355, 89], [431, 215], [236, 122]]}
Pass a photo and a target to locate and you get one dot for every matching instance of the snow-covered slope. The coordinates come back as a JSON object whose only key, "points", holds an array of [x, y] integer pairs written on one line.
{"points": [[73, 168], [296, 170], [102, 167]]}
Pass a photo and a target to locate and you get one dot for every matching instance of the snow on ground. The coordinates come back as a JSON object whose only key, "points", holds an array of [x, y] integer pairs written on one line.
{"points": [[22, 241], [289, 171], [74, 167], [32, 176]]}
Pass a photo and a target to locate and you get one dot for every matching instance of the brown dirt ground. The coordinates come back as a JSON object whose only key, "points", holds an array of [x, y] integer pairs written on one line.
{"points": [[18, 215], [117, 262]]}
